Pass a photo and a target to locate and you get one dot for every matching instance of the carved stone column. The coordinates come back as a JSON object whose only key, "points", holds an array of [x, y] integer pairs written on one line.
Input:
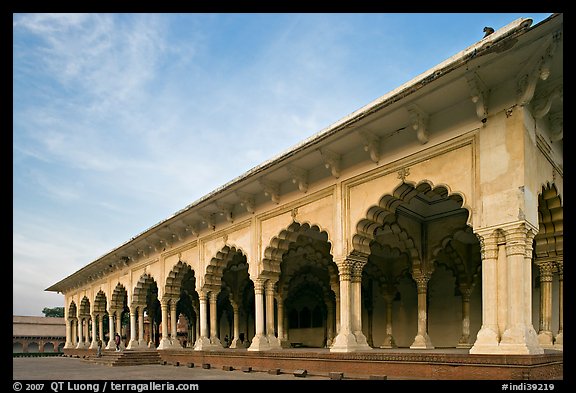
{"points": [[119, 328], [101, 328], [329, 321], [545, 336], [164, 340], [422, 340], [74, 328], [350, 308], [235, 309], [389, 339], [214, 339], [203, 342], [69, 341], [259, 341], [94, 342], [464, 341], [356, 306], [111, 332], [335, 286], [80, 333], [518, 338], [282, 337], [488, 338], [273, 341], [559, 341], [133, 343], [141, 342]]}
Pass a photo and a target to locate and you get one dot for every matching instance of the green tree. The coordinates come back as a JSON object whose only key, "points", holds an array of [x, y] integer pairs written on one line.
{"points": [[56, 312]]}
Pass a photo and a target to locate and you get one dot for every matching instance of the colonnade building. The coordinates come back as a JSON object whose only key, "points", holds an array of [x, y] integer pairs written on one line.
{"points": [[430, 218]]}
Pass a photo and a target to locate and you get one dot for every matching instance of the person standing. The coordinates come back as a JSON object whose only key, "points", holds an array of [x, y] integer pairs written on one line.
{"points": [[99, 353], [117, 342]]}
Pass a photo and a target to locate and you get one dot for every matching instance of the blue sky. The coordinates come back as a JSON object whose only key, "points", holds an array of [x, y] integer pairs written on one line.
{"points": [[121, 120]]}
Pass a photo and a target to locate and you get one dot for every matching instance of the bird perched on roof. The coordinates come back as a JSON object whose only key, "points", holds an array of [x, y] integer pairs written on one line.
{"points": [[487, 31]]}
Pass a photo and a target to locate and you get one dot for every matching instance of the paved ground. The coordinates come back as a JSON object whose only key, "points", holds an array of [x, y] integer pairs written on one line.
{"points": [[66, 368]]}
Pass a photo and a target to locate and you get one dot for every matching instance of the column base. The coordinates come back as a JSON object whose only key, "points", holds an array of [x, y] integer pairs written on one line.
{"points": [[388, 342], [464, 342], [347, 342], [203, 344], [215, 341], [486, 342], [546, 339], [520, 340], [422, 341], [83, 345], [259, 343], [69, 345], [235, 343], [133, 344], [273, 342], [285, 344], [559, 342], [165, 344]]}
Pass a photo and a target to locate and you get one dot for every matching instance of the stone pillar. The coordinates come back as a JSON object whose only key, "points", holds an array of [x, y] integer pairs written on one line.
{"points": [[214, 339], [335, 287], [94, 342], [111, 333], [356, 306], [74, 332], [280, 319], [389, 339], [259, 341], [345, 341], [119, 328], [235, 309], [273, 341], [203, 342], [545, 336], [488, 338], [80, 333], [422, 340], [329, 321], [164, 340], [559, 341], [464, 341], [518, 338], [141, 342], [174, 325], [101, 328], [68, 343], [133, 343]]}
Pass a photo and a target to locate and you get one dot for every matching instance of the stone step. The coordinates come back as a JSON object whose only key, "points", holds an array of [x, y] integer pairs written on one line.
{"points": [[126, 358]]}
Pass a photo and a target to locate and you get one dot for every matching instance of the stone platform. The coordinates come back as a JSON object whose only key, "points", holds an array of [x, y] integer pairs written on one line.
{"points": [[437, 364]]}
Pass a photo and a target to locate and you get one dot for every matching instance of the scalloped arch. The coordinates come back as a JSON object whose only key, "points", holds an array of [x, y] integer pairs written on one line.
{"points": [[281, 244], [378, 215]]}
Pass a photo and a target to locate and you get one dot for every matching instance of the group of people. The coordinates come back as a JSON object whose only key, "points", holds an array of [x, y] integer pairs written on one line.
{"points": [[117, 341]]}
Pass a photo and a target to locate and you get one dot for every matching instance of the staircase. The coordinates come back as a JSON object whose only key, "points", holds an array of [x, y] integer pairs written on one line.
{"points": [[126, 358]]}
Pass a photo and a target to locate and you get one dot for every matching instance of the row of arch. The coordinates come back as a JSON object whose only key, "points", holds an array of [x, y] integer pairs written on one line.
{"points": [[37, 346], [416, 269]]}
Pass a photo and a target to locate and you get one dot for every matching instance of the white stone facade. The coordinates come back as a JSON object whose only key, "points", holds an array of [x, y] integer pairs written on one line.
{"points": [[431, 217]]}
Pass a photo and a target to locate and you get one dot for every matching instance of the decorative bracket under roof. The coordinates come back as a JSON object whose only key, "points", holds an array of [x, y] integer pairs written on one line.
{"points": [[331, 161], [299, 177], [208, 219], [419, 122], [271, 189], [478, 95], [247, 200], [556, 126], [371, 145], [542, 101], [537, 68], [225, 210]]}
